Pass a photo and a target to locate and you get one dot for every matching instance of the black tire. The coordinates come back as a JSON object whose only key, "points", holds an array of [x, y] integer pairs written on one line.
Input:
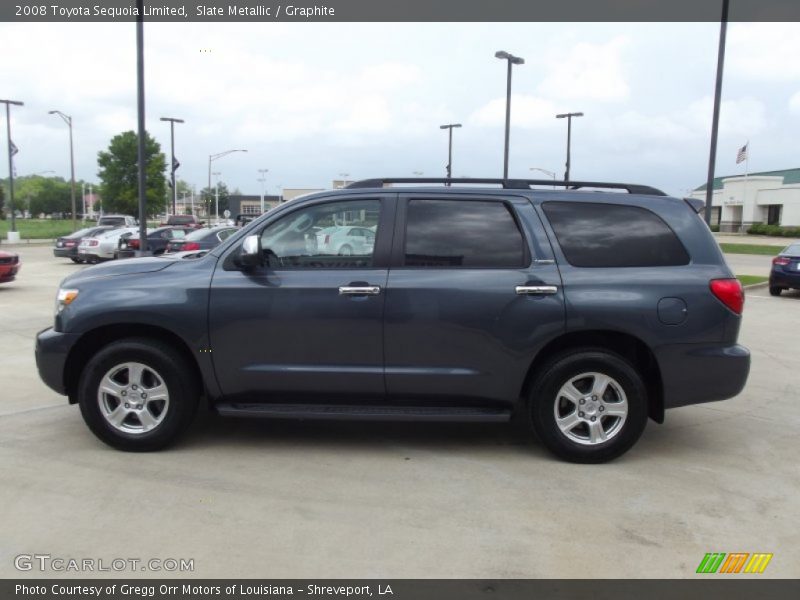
{"points": [[75, 260], [345, 250], [163, 365], [544, 402], [775, 290]]}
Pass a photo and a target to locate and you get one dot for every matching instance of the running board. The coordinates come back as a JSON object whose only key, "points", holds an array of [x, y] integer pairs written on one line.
{"points": [[365, 413]]}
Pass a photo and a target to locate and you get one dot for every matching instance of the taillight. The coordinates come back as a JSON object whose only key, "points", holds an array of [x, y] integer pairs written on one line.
{"points": [[134, 243], [93, 243], [781, 260], [729, 292], [191, 246], [69, 243]]}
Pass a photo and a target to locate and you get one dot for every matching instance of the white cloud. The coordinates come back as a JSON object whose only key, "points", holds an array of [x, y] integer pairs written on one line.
{"points": [[794, 103], [526, 111], [587, 72], [765, 51]]}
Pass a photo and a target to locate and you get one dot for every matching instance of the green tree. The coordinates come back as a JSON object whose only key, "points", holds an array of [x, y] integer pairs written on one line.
{"points": [[119, 176], [51, 197], [209, 194]]}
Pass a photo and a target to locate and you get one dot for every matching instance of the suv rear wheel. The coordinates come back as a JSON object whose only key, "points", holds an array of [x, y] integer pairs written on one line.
{"points": [[137, 394], [588, 406]]}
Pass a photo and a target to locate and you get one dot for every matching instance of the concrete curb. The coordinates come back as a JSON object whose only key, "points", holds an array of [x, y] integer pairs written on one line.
{"points": [[755, 286]]}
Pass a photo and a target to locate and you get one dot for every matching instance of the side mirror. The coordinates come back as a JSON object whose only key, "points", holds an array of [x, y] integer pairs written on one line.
{"points": [[251, 254]]}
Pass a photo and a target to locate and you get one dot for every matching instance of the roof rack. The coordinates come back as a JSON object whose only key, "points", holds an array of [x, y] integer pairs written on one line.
{"points": [[510, 184]]}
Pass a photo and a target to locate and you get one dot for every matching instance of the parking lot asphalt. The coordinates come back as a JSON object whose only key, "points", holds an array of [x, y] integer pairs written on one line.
{"points": [[284, 499]]}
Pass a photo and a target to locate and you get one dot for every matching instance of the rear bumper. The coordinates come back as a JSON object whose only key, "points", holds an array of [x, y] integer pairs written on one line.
{"points": [[52, 349], [785, 279], [66, 252], [696, 373], [9, 272]]}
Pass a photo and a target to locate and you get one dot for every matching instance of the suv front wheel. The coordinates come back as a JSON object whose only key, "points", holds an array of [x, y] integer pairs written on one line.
{"points": [[588, 406], [137, 394]]}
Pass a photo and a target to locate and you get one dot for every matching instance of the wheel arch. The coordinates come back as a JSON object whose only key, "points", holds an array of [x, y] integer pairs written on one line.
{"points": [[631, 348], [93, 340]]}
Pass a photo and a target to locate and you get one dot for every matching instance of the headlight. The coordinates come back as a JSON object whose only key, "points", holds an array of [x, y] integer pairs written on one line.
{"points": [[65, 298]]}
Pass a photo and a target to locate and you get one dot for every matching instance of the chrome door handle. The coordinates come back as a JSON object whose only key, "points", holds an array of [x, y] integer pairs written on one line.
{"points": [[536, 290], [367, 290]]}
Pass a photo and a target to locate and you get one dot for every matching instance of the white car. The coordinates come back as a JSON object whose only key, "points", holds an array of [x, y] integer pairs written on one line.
{"points": [[345, 241], [104, 246]]}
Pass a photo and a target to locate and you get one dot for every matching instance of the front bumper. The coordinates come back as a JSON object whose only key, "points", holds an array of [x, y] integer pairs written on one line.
{"points": [[696, 373], [9, 272], [52, 349]]}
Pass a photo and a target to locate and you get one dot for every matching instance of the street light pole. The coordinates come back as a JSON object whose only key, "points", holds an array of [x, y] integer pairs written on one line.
{"points": [[216, 195], [449, 128], [263, 180], [174, 166], [546, 172], [568, 116], [12, 150], [212, 158], [68, 120], [712, 158], [512, 60]]}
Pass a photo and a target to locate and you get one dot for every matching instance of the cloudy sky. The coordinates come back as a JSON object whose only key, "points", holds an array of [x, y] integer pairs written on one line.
{"points": [[310, 101]]}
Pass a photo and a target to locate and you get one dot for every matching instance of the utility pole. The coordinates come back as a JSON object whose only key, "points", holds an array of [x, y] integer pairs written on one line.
{"points": [[12, 150], [175, 163]]}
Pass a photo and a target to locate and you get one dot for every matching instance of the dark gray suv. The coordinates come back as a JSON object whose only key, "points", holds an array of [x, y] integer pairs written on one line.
{"points": [[583, 312]]}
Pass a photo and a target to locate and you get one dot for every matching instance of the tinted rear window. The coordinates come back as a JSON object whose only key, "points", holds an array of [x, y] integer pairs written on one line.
{"points": [[454, 233], [793, 250], [613, 235]]}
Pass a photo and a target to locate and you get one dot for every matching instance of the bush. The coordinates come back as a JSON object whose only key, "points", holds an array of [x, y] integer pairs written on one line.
{"points": [[715, 228], [773, 230]]}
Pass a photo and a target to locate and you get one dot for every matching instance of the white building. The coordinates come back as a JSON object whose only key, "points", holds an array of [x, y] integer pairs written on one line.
{"points": [[771, 197]]}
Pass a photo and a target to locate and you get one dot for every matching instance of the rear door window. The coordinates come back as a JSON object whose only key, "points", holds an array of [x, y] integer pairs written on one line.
{"points": [[613, 235], [462, 233]]}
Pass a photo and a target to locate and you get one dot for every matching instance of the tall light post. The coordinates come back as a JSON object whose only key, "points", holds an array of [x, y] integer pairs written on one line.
{"points": [[512, 60], [216, 195], [68, 120], [568, 117], [450, 128], [712, 155], [263, 180], [12, 150], [175, 163], [212, 158]]}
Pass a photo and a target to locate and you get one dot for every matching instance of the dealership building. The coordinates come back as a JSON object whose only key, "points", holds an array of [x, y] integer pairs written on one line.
{"points": [[771, 197]]}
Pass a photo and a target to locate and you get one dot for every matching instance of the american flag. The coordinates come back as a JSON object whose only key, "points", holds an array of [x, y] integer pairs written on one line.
{"points": [[742, 154]]}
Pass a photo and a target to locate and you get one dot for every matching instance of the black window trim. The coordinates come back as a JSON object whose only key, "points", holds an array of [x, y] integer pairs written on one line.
{"points": [[383, 235], [397, 260], [562, 257]]}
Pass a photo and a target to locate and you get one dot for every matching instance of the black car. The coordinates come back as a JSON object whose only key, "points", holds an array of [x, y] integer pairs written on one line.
{"points": [[785, 273], [581, 312], [157, 240], [67, 245], [202, 239]]}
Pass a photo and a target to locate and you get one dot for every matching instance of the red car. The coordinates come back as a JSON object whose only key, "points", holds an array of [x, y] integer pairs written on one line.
{"points": [[9, 266]]}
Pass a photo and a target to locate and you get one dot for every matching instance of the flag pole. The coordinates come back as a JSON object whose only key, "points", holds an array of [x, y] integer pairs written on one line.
{"points": [[746, 171]]}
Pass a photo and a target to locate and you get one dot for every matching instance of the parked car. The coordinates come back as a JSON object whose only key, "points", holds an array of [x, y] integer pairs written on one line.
{"points": [[157, 240], [9, 266], [118, 221], [103, 246], [67, 245], [785, 273], [202, 239], [183, 221], [581, 312], [345, 241]]}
